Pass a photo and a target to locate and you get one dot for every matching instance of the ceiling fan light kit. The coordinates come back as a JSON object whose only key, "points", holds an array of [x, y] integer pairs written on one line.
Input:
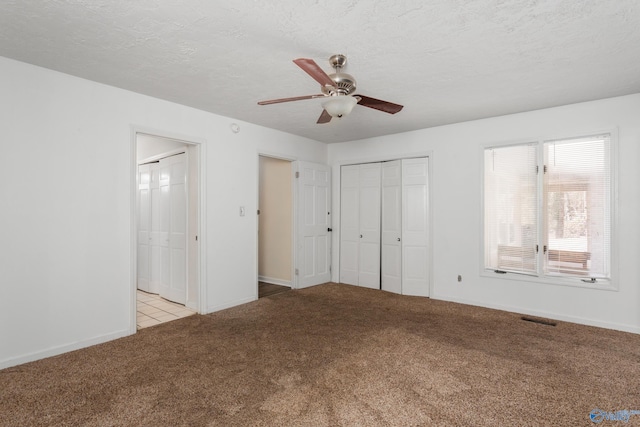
{"points": [[340, 105], [339, 87]]}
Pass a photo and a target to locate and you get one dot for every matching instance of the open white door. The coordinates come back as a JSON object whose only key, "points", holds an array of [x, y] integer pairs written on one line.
{"points": [[173, 205], [313, 262]]}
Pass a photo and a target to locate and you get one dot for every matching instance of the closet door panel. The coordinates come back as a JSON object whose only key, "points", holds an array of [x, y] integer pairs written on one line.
{"points": [[370, 212], [369, 265], [391, 224], [391, 269], [349, 224], [415, 232], [369, 271], [349, 263]]}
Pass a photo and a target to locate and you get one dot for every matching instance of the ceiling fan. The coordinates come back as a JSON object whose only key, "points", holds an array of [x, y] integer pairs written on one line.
{"points": [[338, 89]]}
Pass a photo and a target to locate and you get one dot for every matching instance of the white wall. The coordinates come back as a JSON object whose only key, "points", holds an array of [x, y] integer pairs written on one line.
{"points": [[456, 203], [66, 174]]}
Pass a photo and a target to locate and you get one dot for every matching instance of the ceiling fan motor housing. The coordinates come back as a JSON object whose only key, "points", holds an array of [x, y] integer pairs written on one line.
{"points": [[345, 84]]}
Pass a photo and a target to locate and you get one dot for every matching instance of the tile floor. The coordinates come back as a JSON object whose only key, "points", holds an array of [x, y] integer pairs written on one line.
{"points": [[152, 310]]}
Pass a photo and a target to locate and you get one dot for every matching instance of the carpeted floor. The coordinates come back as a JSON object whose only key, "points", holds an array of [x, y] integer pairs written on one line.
{"points": [[335, 355]]}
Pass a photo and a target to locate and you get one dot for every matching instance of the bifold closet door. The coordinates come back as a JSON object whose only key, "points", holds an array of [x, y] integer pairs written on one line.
{"points": [[369, 262], [349, 224], [391, 224], [384, 229], [360, 225], [405, 219], [415, 227]]}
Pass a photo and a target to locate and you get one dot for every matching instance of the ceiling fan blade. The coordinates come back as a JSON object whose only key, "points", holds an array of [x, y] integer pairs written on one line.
{"points": [[295, 98], [377, 104], [314, 70], [324, 117]]}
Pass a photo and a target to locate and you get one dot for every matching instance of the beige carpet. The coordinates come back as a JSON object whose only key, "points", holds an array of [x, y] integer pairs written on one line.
{"points": [[335, 355]]}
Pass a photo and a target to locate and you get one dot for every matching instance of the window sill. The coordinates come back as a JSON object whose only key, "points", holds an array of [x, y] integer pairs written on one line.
{"points": [[576, 282]]}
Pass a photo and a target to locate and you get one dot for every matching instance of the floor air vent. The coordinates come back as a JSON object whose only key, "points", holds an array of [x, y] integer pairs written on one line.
{"points": [[538, 320]]}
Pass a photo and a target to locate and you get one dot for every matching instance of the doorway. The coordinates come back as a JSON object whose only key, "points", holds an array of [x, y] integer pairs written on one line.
{"points": [[167, 280], [275, 226], [303, 243]]}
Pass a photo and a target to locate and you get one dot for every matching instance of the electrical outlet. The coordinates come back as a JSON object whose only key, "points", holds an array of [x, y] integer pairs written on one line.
{"points": [[459, 278]]}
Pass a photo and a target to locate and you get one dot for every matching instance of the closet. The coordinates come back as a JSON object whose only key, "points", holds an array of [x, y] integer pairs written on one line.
{"points": [[162, 228], [384, 226]]}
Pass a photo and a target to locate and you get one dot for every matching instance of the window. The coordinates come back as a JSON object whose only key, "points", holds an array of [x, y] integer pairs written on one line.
{"points": [[511, 214], [547, 208]]}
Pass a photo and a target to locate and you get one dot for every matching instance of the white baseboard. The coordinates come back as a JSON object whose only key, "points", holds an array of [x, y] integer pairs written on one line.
{"points": [[554, 316], [273, 281], [214, 308], [54, 351]]}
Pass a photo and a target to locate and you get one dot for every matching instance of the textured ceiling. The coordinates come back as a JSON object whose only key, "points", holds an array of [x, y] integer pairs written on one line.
{"points": [[446, 61]]}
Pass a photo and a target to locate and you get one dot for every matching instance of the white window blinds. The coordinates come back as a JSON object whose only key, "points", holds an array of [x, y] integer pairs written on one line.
{"points": [[576, 198], [510, 202]]}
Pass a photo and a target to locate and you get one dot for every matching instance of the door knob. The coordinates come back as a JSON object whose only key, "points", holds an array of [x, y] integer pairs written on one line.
{"points": [[361, 236], [329, 229], [398, 239]]}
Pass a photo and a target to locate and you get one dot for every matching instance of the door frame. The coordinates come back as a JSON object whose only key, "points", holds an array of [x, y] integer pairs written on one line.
{"points": [[200, 144], [294, 215], [336, 195]]}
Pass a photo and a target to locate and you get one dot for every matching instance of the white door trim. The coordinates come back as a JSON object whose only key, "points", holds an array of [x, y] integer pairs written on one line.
{"points": [[200, 143]]}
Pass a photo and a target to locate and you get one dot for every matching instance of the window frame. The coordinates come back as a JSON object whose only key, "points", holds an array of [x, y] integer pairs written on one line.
{"points": [[540, 276]]}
